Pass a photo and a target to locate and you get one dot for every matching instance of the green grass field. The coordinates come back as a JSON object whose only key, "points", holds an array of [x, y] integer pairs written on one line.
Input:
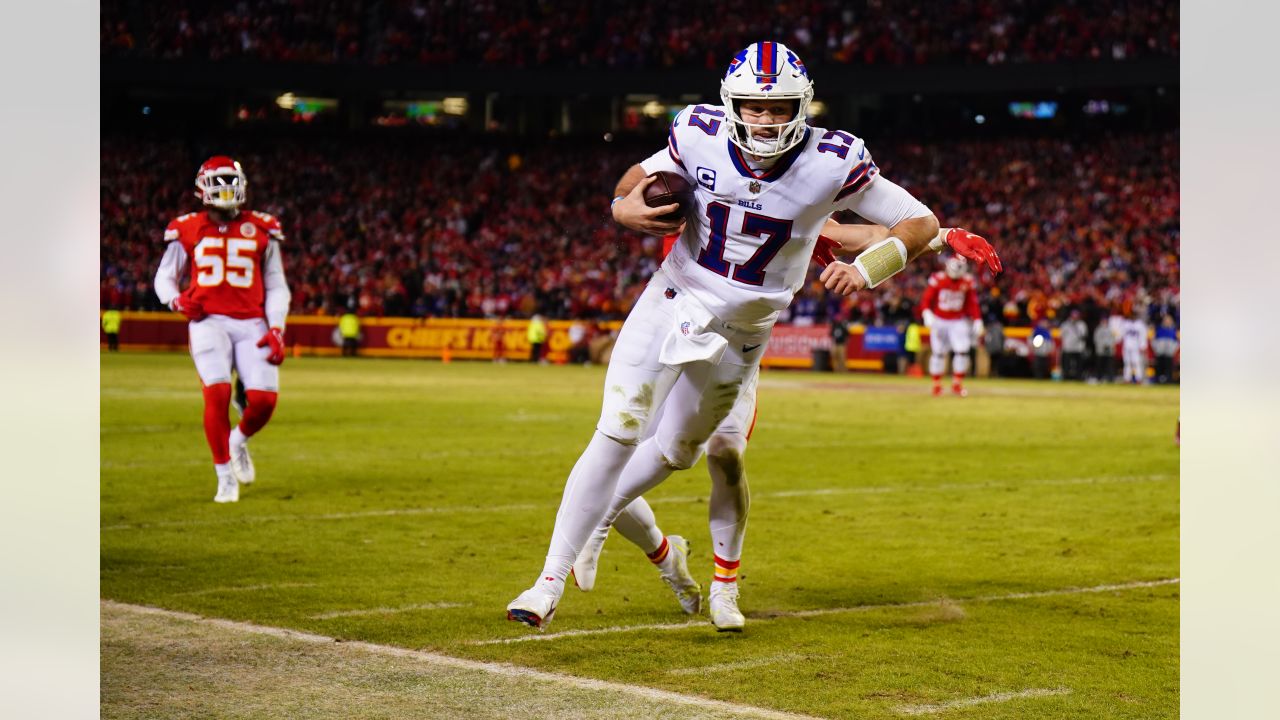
{"points": [[962, 558]]}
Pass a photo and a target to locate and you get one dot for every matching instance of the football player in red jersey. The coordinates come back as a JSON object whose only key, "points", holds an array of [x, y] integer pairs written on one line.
{"points": [[726, 449], [236, 301], [949, 309]]}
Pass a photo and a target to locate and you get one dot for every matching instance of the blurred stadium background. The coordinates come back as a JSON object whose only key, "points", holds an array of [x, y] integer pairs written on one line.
{"points": [[443, 170], [450, 160]]}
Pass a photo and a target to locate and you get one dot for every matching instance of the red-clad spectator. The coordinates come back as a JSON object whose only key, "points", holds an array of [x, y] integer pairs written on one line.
{"points": [[445, 228], [623, 34]]}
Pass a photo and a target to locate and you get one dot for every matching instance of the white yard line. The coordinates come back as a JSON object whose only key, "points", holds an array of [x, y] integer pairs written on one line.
{"points": [[740, 665], [970, 702], [387, 610], [831, 611], [816, 492], [243, 588], [502, 669]]}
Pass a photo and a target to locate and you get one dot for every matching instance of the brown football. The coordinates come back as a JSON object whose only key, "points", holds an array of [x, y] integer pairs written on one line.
{"points": [[668, 188]]}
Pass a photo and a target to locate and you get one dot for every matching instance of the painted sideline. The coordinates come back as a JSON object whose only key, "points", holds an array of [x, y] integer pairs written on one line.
{"points": [[501, 669], [970, 702], [816, 492], [387, 610], [832, 611]]}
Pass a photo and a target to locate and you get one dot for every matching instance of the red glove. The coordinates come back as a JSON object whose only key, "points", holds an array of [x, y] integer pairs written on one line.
{"points": [[973, 247], [189, 307], [824, 251], [275, 339]]}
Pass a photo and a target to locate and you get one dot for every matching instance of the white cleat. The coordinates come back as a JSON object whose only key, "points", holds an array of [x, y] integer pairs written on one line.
{"points": [[677, 576], [584, 568], [241, 464], [534, 607], [724, 607], [228, 490]]}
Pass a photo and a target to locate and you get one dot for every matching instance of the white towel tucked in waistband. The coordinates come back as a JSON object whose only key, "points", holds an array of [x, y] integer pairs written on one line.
{"points": [[692, 339]]}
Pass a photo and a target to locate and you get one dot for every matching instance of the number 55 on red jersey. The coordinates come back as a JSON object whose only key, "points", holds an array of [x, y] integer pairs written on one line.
{"points": [[226, 260]]}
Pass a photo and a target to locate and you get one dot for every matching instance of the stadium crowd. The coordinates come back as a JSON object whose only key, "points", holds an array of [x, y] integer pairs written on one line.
{"points": [[627, 35], [402, 226]]}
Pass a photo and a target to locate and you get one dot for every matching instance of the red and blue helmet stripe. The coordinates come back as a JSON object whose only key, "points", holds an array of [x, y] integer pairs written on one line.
{"points": [[766, 62]]}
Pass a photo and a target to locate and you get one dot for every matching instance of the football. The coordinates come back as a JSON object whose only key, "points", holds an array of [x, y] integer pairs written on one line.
{"points": [[668, 188]]}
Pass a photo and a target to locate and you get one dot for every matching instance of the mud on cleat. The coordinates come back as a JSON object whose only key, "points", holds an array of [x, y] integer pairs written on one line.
{"points": [[678, 577]]}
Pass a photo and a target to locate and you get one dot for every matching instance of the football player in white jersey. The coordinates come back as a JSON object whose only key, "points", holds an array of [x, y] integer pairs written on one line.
{"points": [[1133, 347], [765, 185], [730, 498]]}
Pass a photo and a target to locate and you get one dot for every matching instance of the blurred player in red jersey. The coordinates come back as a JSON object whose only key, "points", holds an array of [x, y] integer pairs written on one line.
{"points": [[726, 449], [236, 301], [950, 311]]}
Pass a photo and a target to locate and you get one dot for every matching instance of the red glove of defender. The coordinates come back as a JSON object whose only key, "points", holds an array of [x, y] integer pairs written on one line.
{"points": [[973, 247], [824, 251], [274, 338], [192, 309]]}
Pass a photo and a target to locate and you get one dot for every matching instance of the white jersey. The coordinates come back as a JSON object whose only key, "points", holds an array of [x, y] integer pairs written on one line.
{"points": [[1134, 335], [747, 247]]}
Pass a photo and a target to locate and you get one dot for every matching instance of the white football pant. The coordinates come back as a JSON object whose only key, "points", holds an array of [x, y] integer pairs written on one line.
{"points": [[1135, 363], [219, 343], [950, 336], [730, 497], [701, 396]]}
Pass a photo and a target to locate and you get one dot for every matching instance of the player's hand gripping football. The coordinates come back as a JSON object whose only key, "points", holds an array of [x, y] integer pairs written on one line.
{"points": [[842, 278], [972, 247], [632, 212], [275, 340], [191, 308]]}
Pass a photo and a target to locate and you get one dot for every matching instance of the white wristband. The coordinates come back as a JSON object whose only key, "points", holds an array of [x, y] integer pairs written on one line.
{"points": [[940, 240], [615, 200], [881, 261]]}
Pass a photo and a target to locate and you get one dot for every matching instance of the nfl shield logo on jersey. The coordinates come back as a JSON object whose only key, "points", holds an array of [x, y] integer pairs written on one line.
{"points": [[684, 328], [754, 186]]}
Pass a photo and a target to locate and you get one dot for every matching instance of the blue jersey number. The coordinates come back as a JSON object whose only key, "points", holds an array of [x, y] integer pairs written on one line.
{"points": [[708, 126], [840, 149], [776, 233]]}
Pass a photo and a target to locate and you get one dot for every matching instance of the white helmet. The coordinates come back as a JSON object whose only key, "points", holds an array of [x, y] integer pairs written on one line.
{"points": [[766, 71], [956, 267]]}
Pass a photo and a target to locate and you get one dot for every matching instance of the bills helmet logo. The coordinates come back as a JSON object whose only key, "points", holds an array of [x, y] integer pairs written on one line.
{"points": [[736, 62], [794, 62]]}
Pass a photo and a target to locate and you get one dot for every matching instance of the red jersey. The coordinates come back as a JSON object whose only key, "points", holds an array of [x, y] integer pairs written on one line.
{"points": [[226, 259], [950, 299]]}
